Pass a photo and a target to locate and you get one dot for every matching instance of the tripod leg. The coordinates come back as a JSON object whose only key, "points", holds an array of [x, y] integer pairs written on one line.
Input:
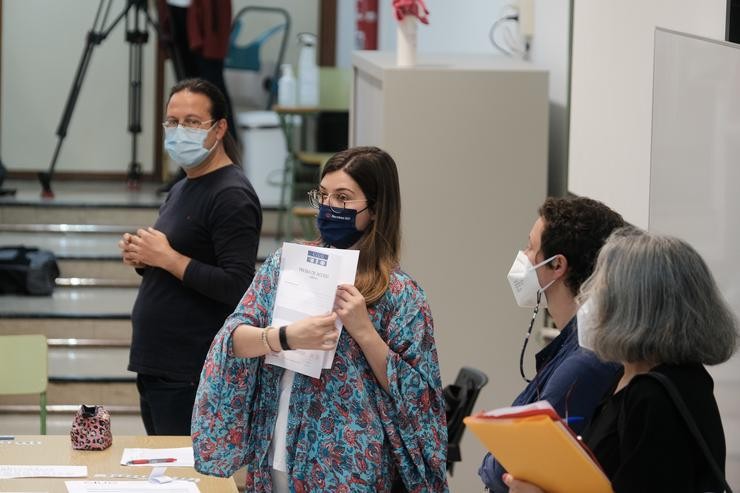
{"points": [[134, 110], [3, 172], [93, 38]]}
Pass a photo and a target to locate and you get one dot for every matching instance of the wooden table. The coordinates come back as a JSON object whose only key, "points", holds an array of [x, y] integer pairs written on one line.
{"points": [[57, 450]]}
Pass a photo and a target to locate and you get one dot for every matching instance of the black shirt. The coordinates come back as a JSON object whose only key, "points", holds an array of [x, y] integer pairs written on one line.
{"points": [[215, 220], [643, 443]]}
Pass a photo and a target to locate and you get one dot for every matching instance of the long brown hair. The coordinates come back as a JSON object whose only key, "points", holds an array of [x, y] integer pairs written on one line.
{"points": [[219, 109], [376, 174]]}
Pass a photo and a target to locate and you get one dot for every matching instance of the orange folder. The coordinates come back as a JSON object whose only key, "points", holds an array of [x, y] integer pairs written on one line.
{"points": [[534, 445]]}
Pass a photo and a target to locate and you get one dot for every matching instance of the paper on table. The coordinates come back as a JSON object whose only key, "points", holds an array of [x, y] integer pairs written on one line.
{"points": [[36, 471], [130, 487], [307, 286], [184, 456]]}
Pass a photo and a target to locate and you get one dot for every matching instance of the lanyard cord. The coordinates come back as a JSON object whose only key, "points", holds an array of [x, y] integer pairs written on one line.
{"points": [[526, 338]]}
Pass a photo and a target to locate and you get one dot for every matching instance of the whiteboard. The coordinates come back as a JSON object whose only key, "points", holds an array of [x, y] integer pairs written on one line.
{"points": [[695, 175], [611, 93], [695, 152]]}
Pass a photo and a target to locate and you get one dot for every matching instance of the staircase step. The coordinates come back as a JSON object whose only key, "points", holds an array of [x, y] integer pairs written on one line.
{"points": [[76, 393], [68, 245], [110, 221], [95, 282], [70, 328], [115, 218], [98, 269], [79, 303], [75, 364]]}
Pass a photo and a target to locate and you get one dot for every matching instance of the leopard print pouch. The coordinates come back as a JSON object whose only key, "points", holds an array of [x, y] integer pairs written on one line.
{"points": [[91, 429]]}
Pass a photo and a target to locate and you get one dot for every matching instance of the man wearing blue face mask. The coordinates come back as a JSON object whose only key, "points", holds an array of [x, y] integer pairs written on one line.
{"points": [[561, 253], [195, 262]]}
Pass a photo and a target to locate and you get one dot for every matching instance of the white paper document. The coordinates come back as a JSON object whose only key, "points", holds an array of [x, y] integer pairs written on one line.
{"points": [[307, 287], [130, 487], [152, 457], [9, 471]]}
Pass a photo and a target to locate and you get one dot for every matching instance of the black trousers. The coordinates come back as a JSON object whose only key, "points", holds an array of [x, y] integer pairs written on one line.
{"points": [[166, 405]]}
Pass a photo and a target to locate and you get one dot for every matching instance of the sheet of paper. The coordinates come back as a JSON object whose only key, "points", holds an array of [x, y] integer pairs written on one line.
{"points": [[307, 286], [35, 471], [183, 456], [130, 487]]}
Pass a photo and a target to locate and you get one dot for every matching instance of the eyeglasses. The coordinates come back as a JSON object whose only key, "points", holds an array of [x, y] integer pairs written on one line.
{"points": [[318, 198], [187, 123]]}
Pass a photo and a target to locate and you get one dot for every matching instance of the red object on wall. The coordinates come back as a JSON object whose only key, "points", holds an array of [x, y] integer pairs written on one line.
{"points": [[366, 33]]}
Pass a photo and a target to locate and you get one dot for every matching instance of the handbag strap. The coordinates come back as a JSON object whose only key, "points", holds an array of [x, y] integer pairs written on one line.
{"points": [[686, 415]]}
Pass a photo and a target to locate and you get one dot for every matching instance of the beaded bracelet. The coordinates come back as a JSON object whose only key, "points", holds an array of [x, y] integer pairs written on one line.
{"points": [[263, 338], [267, 339]]}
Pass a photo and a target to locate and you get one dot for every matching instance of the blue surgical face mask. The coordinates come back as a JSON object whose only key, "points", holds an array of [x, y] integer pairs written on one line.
{"points": [[185, 145], [338, 228]]}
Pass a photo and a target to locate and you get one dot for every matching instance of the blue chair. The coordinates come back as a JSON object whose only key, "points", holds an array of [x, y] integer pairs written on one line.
{"points": [[248, 57]]}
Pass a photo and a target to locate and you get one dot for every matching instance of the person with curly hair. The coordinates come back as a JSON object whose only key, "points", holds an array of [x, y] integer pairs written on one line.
{"points": [[561, 253]]}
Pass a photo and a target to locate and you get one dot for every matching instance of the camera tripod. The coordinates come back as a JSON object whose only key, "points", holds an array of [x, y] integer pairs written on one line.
{"points": [[138, 20]]}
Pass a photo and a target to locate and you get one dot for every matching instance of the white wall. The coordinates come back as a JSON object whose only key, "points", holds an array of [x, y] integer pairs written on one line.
{"points": [[459, 26], [550, 49], [463, 27], [611, 103], [42, 43]]}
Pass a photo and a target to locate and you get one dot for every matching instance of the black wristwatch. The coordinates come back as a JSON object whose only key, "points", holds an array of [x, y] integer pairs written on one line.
{"points": [[283, 338]]}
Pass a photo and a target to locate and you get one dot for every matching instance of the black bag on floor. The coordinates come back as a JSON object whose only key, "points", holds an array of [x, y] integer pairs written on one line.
{"points": [[26, 270]]}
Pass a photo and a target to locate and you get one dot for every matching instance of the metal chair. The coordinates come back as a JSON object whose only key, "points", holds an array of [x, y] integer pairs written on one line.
{"points": [[248, 57], [24, 368], [460, 398]]}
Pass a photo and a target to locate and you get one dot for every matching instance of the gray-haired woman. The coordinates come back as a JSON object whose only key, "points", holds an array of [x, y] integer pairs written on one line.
{"points": [[653, 305]]}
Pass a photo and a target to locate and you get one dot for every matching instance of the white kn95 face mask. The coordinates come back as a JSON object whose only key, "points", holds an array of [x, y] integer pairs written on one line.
{"points": [[586, 317], [524, 283]]}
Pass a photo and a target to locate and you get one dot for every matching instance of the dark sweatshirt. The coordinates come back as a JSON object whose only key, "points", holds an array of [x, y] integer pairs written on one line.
{"points": [[215, 220]]}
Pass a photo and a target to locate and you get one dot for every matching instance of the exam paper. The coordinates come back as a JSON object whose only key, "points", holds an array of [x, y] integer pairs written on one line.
{"points": [[35, 471], [130, 487], [307, 286], [183, 455]]}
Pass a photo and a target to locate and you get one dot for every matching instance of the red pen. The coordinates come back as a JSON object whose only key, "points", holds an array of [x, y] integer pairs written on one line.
{"points": [[149, 461]]}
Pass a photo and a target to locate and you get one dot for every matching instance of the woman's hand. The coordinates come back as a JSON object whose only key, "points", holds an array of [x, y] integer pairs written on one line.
{"points": [[352, 310], [129, 256], [517, 486], [316, 332]]}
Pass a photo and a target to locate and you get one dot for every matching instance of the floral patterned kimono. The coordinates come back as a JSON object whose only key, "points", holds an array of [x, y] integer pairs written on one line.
{"points": [[345, 433]]}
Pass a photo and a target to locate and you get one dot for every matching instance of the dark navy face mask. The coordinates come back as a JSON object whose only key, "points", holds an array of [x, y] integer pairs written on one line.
{"points": [[338, 228]]}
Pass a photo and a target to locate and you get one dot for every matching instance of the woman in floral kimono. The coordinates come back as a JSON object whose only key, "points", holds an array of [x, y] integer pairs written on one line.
{"points": [[373, 422]]}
